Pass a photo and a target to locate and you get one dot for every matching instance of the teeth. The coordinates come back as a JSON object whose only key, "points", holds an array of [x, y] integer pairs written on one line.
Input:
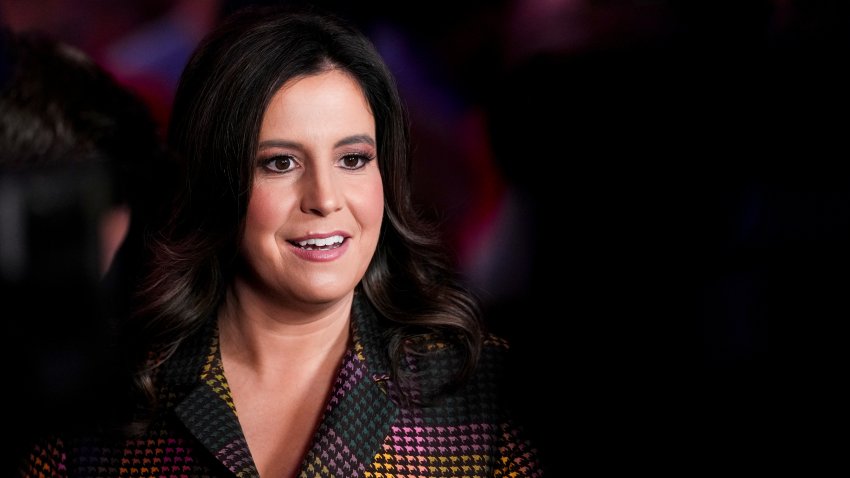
{"points": [[322, 242]]}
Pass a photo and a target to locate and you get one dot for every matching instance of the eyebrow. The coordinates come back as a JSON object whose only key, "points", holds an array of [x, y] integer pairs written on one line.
{"points": [[357, 138], [354, 139]]}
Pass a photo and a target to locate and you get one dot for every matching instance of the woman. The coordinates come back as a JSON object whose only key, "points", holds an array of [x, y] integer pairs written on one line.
{"points": [[297, 319]]}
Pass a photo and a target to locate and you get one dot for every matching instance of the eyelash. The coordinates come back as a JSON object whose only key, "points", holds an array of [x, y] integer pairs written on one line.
{"points": [[362, 158]]}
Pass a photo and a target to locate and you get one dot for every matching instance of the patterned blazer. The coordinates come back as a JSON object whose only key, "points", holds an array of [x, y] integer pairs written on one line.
{"points": [[366, 431]]}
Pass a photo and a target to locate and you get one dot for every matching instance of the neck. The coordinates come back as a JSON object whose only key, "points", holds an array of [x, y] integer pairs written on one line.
{"points": [[264, 336]]}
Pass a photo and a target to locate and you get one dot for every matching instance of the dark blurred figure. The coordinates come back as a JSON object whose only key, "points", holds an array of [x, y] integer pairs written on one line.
{"points": [[76, 150]]}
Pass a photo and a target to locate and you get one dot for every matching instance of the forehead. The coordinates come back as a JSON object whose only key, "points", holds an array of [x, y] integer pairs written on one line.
{"points": [[331, 99], [334, 85]]}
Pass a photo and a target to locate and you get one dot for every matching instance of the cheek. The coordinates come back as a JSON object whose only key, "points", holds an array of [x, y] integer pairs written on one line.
{"points": [[372, 207], [265, 212]]}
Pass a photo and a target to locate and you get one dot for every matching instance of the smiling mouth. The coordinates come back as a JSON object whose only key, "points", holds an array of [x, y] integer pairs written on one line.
{"points": [[319, 244]]}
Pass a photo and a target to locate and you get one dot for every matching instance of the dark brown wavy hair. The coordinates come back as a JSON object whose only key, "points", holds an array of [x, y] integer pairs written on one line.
{"points": [[214, 129]]}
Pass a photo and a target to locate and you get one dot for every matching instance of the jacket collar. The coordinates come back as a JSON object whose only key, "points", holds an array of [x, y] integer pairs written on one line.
{"points": [[357, 417]]}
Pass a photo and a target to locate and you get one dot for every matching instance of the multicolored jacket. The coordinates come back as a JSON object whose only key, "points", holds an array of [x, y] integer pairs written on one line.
{"points": [[366, 431]]}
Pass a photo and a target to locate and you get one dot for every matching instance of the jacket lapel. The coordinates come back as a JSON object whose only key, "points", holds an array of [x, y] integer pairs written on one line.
{"points": [[360, 412], [207, 409]]}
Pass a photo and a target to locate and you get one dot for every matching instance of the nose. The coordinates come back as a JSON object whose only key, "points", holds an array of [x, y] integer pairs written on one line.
{"points": [[320, 194]]}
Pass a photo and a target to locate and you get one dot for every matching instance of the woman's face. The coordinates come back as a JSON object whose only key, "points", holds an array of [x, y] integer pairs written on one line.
{"points": [[315, 212]]}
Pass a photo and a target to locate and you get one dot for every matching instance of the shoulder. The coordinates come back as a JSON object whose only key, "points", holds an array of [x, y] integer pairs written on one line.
{"points": [[477, 404], [436, 346], [434, 342], [436, 359]]}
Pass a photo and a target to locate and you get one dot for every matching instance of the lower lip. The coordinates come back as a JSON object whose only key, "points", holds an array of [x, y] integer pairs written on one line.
{"points": [[320, 255]]}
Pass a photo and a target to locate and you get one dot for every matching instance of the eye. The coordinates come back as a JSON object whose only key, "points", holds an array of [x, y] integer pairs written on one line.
{"points": [[280, 164], [355, 161]]}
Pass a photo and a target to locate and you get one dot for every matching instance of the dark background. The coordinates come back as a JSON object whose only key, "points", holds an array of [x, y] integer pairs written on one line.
{"points": [[641, 192]]}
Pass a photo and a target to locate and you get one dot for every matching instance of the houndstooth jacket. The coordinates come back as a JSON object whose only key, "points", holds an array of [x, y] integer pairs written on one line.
{"points": [[366, 431]]}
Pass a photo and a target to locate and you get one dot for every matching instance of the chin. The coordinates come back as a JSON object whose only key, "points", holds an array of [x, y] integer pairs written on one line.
{"points": [[322, 293]]}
